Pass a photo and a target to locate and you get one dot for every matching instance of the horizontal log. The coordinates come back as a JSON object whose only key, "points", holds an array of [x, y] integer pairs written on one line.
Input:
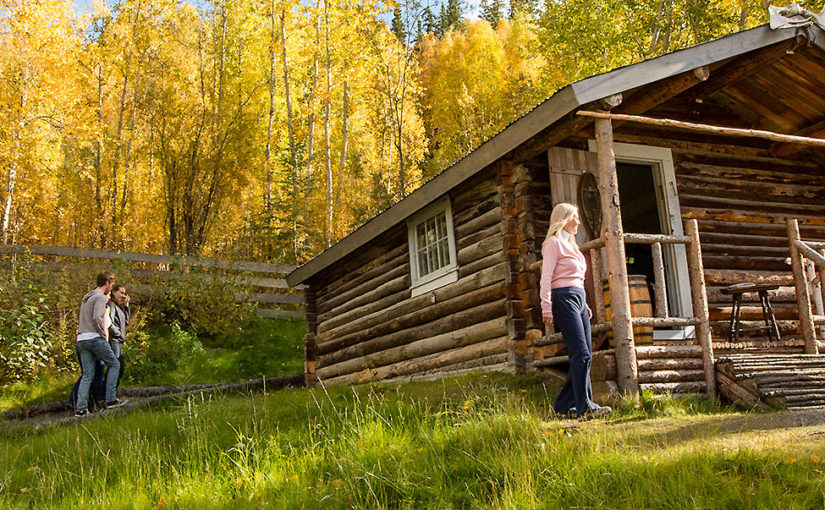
{"points": [[457, 338], [764, 217], [649, 364], [494, 362], [731, 250], [784, 294], [461, 329], [705, 128], [557, 338], [491, 217], [663, 322], [593, 244], [655, 238], [476, 266], [784, 311], [668, 351], [665, 376], [356, 325], [732, 276], [479, 250], [751, 262], [674, 387]]}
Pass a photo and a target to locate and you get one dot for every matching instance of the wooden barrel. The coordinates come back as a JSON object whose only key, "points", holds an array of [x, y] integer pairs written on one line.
{"points": [[640, 306]]}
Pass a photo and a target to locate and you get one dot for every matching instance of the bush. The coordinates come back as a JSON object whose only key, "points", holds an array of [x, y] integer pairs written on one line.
{"points": [[25, 342], [204, 302], [149, 358]]}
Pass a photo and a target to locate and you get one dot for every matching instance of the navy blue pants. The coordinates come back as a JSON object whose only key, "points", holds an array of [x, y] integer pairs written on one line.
{"points": [[570, 318]]}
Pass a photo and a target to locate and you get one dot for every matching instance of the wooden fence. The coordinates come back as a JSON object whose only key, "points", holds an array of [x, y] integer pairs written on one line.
{"points": [[269, 290]]}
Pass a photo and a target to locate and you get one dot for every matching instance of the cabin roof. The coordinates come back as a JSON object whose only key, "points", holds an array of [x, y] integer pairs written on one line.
{"points": [[560, 104]]}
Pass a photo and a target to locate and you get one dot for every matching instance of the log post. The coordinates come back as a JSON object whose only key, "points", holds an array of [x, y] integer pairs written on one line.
{"points": [[310, 349], [803, 300], [519, 351], [627, 375], [699, 296], [598, 291], [659, 279]]}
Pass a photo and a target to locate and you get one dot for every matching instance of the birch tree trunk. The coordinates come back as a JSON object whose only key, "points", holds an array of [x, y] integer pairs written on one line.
{"points": [[293, 149], [327, 148]]}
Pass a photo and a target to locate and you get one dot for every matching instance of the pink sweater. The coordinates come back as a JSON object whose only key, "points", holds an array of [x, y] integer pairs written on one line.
{"points": [[563, 265]]}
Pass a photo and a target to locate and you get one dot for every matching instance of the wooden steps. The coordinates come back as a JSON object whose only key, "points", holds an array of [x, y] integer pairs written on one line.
{"points": [[782, 381]]}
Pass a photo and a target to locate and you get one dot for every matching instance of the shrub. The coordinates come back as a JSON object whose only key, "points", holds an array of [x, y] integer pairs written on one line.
{"points": [[149, 357], [207, 303], [25, 342]]}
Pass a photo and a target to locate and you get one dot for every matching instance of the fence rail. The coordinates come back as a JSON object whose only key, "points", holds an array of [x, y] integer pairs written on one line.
{"points": [[269, 286]]}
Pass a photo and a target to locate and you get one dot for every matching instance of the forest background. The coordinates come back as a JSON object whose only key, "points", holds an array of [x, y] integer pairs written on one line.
{"points": [[269, 129]]}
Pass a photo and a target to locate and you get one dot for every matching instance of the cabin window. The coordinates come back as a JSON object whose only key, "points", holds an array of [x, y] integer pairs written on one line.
{"points": [[432, 248]]}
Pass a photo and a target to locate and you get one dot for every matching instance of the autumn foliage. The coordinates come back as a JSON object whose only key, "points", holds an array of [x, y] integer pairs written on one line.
{"points": [[269, 129]]}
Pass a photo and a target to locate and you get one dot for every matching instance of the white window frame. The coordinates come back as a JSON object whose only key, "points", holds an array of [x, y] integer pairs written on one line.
{"points": [[442, 276], [664, 179]]}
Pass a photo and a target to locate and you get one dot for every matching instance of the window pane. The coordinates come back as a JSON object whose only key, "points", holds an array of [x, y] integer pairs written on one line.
{"points": [[431, 258], [442, 222], [421, 240], [422, 263], [444, 253], [431, 237]]}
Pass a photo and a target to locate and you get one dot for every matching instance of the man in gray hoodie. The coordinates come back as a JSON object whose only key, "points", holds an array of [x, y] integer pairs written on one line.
{"points": [[93, 344]]}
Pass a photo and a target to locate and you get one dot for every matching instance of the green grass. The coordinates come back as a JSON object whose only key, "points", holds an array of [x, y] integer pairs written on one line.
{"points": [[470, 442], [266, 348]]}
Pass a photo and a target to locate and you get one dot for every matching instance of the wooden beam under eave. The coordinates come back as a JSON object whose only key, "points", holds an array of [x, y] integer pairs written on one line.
{"points": [[782, 150], [742, 67], [659, 93], [565, 127]]}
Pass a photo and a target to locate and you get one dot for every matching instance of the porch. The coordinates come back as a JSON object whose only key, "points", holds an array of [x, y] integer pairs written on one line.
{"points": [[778, 372]]}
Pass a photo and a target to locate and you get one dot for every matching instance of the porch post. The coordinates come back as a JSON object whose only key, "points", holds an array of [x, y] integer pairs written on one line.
{"points": [[626, 369], [803, 300], [699, 294]]}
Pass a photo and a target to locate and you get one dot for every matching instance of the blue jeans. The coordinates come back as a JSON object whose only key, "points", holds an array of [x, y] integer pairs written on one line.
{"points": [[571, 318], [90, 351], [117, 350]]}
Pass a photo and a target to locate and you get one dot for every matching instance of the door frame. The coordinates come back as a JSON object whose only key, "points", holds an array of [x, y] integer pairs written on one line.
{"points": [[670, 217]]}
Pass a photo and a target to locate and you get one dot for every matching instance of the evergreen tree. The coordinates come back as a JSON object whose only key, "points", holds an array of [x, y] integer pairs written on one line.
{"points": [[528, 7], [450, 16], [491, 11], [430, 23], [398, 24]]}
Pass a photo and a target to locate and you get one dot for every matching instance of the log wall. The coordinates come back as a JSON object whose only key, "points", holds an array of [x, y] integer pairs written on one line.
{"points": [[369, 327]]}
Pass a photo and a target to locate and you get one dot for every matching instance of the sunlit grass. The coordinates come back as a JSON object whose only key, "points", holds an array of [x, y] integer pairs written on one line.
{"points": [[475, 441]]}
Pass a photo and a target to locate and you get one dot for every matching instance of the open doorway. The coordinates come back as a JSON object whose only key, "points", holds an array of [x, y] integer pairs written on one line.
{"points": [[650, 205]]}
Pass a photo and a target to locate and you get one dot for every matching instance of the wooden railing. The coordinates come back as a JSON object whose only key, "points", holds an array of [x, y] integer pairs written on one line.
{"points": [[815, 252], [270, 290], [662, 318]]}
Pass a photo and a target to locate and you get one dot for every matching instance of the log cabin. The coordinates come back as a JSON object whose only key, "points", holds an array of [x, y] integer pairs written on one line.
{"points": [[693, 171]]}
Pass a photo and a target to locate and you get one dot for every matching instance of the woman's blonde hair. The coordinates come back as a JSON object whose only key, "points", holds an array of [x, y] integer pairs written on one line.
{"points": [[562, 213]]}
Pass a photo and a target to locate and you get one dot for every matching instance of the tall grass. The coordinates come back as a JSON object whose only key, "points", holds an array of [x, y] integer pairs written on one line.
{"points": [[476, 441]]}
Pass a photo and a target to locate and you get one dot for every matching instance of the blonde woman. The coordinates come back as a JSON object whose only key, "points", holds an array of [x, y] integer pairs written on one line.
{"points": [[564, 304]]}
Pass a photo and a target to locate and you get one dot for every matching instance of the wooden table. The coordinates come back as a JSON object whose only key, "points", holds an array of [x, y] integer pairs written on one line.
{"points": [[764, 298]]}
